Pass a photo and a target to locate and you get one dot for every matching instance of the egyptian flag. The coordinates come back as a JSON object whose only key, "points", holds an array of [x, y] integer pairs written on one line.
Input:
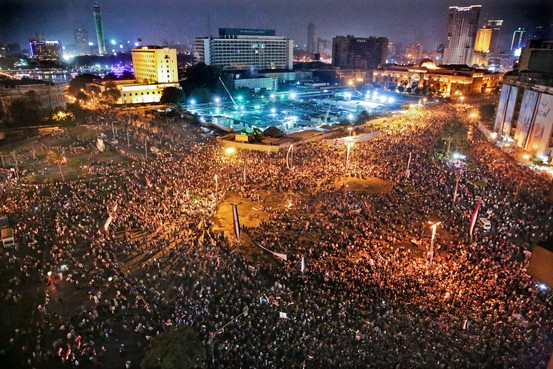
{"points": [[408, 171], [456, 189], [474, 217], [244, 172], [303, 264], [236, 222]]}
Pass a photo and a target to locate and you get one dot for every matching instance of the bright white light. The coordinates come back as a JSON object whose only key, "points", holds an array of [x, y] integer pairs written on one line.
{"points": [[273, 110], [350, 116], [217, 111], [240, 98], [113, 42], [375, 93], [136, 44], [192, 102], [493, 135], [325, 91], [91, 44], [382, 99], [67, 57], [293, 95], [272, 96], [257, 106], [217, 100], [542, 286], [242, 108], [347, 95], [391, 100]]}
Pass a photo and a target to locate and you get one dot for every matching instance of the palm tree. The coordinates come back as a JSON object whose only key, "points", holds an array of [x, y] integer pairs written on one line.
{"points": [[58, 158]]}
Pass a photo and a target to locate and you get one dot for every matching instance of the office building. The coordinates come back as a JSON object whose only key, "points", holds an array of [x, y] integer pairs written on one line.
{"points": [[45, 50], [350, 52], [155, 64], [483, 39], [49, 96], [311, 38], [519, 39], [99, 30], [462, 27], [413, 53], [495, 41], [239, 48], [81, 41]]}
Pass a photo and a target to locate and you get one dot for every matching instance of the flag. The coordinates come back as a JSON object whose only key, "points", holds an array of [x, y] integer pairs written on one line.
{"points": [[466, 324], [236, 222], [282, 315], [107, 223], [303, 264], [407, 171], [456, 189], [279, 255], [244, 172], [474, 217], [288, 158]]}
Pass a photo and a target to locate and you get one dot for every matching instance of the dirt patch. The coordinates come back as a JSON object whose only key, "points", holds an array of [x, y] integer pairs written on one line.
{"points": [[366, 185]]}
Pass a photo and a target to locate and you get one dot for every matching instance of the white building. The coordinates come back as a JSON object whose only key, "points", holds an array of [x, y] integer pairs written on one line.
{"points": [[238, 48]]}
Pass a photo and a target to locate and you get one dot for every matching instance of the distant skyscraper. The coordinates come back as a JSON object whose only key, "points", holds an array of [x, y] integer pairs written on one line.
{"points": [[519, 39], [483, 39], [99, 30], [462, 26], [350, 52], [311, 38], [81, 41], [495, 44]]}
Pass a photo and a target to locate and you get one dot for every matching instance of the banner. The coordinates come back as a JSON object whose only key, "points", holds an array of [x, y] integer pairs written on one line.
{"points": [[526, 117], [538, 141], [474, 217], [501, 108], [509, 110]]}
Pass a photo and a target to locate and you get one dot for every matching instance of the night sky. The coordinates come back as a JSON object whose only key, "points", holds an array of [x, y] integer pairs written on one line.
{"points": [[181, 20]]}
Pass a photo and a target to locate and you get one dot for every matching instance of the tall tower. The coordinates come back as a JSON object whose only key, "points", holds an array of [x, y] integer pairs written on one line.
{"points": [[311, 38], [99, 30], [495, 25], [519, 39], [462, 26], [483, 39]]}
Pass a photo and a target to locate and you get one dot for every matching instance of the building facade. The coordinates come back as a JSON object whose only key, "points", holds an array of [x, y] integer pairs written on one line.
{"points": [[483, 39], [524, 108], [495, 41], [462, 27], [238, 49], [99, 30], [155, 64], [311, 38], [49, 96], [81, 41], [444, 81], [45, 50], [350, 52]]}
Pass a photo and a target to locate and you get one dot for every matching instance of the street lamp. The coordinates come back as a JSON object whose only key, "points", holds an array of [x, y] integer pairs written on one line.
{"points": [[433, 226]]}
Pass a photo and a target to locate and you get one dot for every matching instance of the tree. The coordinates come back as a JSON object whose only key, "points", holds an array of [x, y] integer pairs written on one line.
{"points": [[112, 95], [58, 158], [172, 95], [179, 348], [127, 75], [201, 76], [25, 111], [454, 132], [79, 82]]}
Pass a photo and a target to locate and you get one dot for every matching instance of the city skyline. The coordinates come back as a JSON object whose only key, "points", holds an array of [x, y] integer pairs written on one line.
{"points": [[182, 21]]}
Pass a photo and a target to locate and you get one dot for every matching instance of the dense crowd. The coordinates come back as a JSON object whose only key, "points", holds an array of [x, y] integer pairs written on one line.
{"points": [[367, 298]]}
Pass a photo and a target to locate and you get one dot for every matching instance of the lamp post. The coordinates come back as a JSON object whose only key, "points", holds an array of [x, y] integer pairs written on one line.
{"points": [[211, 340]]}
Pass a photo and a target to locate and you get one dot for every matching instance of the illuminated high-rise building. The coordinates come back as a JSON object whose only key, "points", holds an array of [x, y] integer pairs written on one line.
{"points": [[155, 64], [519, 39], [244, 48], [99, 30], [46, 50], [495, 25], [462, 26], [311, 38], [483, 39]]}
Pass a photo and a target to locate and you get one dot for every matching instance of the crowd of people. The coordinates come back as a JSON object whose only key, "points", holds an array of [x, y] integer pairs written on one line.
{"points": [[354, 292]]}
